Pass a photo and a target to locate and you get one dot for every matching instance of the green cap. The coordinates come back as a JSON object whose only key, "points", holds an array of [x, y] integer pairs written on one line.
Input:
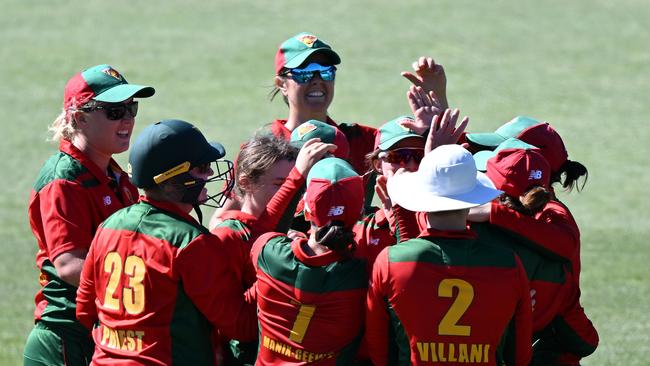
{"points": [[325, 132], [393, 132], [168, 148], [295, 50], [481, 157], [102, 83], [508, 130]]}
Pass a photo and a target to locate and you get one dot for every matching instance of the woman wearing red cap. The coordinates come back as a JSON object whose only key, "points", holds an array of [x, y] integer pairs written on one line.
{"points": [[77, 189], [525, 175], [310, 292]]}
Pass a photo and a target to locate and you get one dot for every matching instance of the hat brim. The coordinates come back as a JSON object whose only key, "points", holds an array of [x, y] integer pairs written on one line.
{"points": [[215, 152], [392, 141], [123, 92], [300, 59], [481, 158], [407, 190], [489, 139]]}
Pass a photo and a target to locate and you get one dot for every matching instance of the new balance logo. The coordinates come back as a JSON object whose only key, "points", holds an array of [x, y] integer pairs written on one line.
{"points": [[107, 200], [336, 211], [535, 174]]}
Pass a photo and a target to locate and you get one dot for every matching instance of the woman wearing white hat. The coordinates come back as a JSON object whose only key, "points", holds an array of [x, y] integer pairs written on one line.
{"points": [[448, 296]]}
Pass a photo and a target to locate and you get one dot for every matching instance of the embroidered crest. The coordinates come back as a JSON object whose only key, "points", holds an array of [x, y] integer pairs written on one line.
{"points": [[403, 120], [113, 73], [305, 128], [308, 39]]}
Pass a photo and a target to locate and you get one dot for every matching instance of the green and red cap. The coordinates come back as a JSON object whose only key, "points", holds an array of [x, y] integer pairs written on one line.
{"points": [[531, 131], [101, 83], [515, 171], [481, 158], [325, 132], [393, 132], [335, 192], [294, 51]]}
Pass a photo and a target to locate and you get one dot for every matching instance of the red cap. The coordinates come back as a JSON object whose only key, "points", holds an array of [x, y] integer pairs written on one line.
{"points": [[334, 193], [514, 171], [549, 143]]}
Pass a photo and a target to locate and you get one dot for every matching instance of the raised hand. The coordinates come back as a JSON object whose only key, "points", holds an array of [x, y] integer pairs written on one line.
{"points": [[444, 131], [424, 107], [431, 77], [311, 152]]}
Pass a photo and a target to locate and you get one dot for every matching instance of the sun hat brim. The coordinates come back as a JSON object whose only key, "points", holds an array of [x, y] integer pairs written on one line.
{"points": [[408, 191]]}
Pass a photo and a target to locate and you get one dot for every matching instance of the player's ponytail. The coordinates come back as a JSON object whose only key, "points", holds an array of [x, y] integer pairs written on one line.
{"points": [[531, 202], [63, 127], [572, 171], [336, 237]]}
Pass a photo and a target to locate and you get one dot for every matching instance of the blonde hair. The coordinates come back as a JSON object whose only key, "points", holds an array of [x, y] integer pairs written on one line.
{"points": [[64, 127]]}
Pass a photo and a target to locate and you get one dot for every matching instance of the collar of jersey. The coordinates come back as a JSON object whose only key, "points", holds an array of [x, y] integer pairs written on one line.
{"points": [[315, 260]]}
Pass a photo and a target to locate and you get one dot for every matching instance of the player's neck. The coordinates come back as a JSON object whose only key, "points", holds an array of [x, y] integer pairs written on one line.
{"points": [[448, 221], [98, 157], [297, 118]]}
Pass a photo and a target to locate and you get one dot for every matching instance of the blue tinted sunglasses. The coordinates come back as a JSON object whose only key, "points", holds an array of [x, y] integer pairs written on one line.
{"points": [[304, 75]]}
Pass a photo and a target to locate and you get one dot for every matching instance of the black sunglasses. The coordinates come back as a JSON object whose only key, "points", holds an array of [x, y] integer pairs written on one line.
{"points": [[116, 111]]}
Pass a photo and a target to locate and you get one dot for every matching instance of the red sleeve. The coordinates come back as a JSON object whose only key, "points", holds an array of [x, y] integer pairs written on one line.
{"points": [[407, 224], [523, 320], [65, 213], [276, 207], [86, 308], [210, 281], [553, 228], [377, 319], [241, 257]]}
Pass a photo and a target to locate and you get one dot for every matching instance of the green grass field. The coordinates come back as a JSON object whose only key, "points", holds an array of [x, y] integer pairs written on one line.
{"points": [[582, 65]]}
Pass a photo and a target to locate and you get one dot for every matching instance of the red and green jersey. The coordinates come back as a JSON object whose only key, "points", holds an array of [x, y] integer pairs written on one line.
{"points": [[155, 284], [69, 200], [446, 298], [310, 308]]}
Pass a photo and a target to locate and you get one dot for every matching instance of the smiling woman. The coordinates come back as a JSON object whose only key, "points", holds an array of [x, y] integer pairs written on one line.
{"points": [[77, 189]]}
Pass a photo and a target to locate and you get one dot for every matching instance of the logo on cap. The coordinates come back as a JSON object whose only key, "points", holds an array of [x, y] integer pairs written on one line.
{"points": [[305, 128], [535, 174], [336, 211], [112, 72], [405, 120], [308, 39]]}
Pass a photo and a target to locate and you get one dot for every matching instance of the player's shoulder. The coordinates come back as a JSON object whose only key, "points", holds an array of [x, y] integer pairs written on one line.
{"points": [[63, 169]]}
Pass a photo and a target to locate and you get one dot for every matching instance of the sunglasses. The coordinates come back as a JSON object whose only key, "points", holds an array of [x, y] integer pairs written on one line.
{"points": [[402, 156], [116, 111], [304, 75]]}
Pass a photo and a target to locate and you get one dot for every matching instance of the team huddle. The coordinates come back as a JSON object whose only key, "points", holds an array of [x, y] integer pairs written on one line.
{"points": [[470, 258]]}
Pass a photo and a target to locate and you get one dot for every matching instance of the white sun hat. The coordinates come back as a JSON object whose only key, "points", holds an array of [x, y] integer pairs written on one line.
{"points": [[446, 180]]}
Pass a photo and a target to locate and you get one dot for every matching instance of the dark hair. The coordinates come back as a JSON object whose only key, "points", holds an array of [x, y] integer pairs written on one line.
{"points": [[532, 201], [336, 237], [258, 155], [572, 172], [369, 160]]}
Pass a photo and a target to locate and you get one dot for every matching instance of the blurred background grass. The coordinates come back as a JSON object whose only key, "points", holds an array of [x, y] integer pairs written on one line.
{"points": [[581, 65]]}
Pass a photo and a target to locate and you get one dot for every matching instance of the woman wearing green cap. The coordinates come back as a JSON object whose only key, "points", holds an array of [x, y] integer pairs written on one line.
{"points": [[77, 189]]}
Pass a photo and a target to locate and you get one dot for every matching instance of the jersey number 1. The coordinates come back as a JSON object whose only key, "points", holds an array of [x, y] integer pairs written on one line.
{"points": [[305, 313], [133, 293], [449, 323]]}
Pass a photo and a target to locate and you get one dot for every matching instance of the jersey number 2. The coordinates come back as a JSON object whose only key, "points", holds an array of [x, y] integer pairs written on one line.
{"points": [[449, 323], [133, 293]]}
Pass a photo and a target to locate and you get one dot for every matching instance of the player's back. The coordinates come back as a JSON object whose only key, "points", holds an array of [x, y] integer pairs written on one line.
{"points": [[144, 314], [310, 308], [452, 299]]}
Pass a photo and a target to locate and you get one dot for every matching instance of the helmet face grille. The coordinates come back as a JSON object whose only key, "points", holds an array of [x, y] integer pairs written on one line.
{"points": [[224, 172]]}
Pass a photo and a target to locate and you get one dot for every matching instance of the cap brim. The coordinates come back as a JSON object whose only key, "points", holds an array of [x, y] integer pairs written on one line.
{"points": [[481, 158], [123, 92], [300, 59], [216, 151], [407, 191], [489, 139], [392, 141]]}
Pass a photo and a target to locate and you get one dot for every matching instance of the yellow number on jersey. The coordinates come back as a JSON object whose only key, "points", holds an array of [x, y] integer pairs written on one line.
{"points": [[449, 323], [133, 294]]}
